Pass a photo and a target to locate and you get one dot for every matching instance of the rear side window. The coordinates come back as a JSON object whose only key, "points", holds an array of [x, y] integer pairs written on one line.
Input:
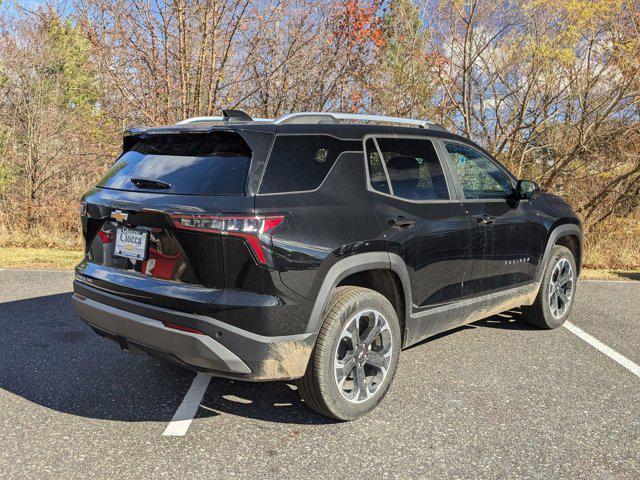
{"points": [[195, 164], [413, 168], [299, 162], [377, 177]]}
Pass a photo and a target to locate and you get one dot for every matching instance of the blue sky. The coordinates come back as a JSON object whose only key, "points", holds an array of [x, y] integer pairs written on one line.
{"points": [[11, 7]]}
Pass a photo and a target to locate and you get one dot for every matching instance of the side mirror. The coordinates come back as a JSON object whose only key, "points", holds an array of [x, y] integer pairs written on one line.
{"points": [[525, 189]]}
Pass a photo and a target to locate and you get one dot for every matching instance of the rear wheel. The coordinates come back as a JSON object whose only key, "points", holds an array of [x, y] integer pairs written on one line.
{"points": [[557, 291], [355, 357]]}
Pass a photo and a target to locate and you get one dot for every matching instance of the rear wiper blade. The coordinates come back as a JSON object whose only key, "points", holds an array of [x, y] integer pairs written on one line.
{"points": [[146, 183]]}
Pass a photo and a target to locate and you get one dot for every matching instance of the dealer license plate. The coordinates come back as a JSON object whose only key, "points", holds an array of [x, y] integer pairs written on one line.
{"points": [[131, 243]]}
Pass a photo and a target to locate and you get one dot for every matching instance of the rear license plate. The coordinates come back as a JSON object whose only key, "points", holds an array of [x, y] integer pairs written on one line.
{"points": [[131, 243]]}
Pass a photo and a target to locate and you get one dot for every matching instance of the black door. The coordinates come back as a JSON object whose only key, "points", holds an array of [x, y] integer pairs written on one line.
{"points": [[505, 249], [430, 231]]}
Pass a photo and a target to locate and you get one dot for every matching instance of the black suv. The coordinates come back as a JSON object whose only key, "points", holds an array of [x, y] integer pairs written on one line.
{"points": [[314, 247]]}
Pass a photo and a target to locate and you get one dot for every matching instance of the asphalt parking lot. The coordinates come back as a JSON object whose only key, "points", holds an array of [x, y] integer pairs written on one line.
{"points": [[495, 399]]}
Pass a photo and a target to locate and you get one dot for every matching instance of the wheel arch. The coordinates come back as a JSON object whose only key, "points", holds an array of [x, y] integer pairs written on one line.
{"points": [[353, 270], [568, 235], [574, 243]]}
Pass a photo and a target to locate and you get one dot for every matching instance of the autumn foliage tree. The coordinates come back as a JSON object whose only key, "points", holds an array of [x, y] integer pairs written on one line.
{"points": [[48, 117], [551, 88]]}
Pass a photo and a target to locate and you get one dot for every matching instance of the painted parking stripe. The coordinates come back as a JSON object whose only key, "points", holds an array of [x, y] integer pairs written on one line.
{"points": [[608, 351], [183, 417]]}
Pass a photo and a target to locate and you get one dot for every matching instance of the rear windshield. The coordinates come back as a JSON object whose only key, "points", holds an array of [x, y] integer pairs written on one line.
{"points": [[193, 164]]}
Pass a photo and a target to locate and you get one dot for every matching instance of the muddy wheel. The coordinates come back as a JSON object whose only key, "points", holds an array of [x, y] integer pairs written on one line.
{"points": [[356, 355]]}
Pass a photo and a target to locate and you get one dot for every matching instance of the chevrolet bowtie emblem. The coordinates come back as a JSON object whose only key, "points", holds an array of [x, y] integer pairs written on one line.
{"points": [[119, 216]]}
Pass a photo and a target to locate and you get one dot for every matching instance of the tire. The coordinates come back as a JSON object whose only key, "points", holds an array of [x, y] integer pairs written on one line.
{"points": [[540, 313], [334, 347]]}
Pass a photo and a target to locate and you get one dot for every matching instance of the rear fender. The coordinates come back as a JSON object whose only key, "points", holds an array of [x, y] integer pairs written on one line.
{"points": [[354, 264]]}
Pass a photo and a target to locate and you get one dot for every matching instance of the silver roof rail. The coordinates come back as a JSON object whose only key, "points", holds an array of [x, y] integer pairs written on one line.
{"points": [[216, 119], [199, 119], [332, 117], [322, 118]]}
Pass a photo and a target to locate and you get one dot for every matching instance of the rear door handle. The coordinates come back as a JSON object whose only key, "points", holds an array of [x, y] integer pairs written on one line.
{"points": [[402, 222], [484, 219]]}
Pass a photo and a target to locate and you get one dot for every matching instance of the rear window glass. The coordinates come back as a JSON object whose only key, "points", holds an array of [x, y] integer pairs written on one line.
{"points": [[195, 164], [377, 177], [299, 162], [414, 170]]}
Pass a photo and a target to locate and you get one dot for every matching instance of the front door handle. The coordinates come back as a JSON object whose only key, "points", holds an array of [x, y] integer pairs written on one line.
{"points": [[402, 222], [484, 219]]}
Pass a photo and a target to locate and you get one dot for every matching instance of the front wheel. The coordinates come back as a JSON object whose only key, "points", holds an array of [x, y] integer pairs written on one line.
{"points": [[557, 291], [355, 357]]}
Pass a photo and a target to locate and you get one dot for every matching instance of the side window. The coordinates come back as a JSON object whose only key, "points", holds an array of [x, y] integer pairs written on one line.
{"points": [[479, 176], [377, 177], [299, 162], [413, 167]]}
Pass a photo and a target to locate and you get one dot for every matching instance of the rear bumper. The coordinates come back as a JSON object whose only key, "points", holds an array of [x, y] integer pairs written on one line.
{"points": [[233, 353]]}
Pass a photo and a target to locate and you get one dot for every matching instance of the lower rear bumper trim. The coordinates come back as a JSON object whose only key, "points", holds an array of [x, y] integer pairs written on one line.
{"points": [[193, 349]]}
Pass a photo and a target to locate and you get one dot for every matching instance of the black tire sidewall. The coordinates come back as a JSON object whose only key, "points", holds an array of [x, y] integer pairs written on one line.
{"points": [[335, 402]]}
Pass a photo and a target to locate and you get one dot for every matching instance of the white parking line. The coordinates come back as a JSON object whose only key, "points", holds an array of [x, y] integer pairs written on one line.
{"points": [[608, 351], [188, 408]]}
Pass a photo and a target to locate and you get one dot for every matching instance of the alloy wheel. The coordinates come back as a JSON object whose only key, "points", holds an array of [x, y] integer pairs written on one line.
{"points": [[363, 356], [561, 288]]}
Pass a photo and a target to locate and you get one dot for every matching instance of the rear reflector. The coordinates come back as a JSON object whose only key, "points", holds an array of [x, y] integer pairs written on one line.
{"points": [[253, 229], [182, 328]]}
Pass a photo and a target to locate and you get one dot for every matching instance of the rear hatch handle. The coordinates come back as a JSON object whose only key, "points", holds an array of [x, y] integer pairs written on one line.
{"points": [[148, 184]]}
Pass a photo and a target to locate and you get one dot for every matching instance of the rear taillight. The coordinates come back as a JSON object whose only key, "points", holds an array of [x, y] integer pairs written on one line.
{"points": [[255, 230]]}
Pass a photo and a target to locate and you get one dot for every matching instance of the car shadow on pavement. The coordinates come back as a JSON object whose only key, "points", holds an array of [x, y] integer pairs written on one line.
{"points": [[269, 401], [509, 320], [48, 356]]}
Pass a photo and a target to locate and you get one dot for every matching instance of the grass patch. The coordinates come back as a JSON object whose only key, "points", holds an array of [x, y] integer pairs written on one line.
{"points": [[39, 240], [19, 257], [604, 274]]}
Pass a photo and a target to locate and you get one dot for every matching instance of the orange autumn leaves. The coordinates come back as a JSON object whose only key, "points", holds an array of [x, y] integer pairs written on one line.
{"points": [[359, 22]]}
